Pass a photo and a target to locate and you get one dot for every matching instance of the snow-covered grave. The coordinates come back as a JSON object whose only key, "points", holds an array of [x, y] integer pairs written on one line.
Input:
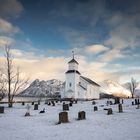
{"points": [[97, 125]]}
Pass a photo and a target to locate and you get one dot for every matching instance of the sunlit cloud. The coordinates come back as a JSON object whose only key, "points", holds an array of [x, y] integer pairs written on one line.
{"points": [[7, 27], [95, 49]]}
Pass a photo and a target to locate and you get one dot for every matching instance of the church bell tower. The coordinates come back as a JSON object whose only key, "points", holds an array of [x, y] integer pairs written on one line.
{"points": [[72, 79]]}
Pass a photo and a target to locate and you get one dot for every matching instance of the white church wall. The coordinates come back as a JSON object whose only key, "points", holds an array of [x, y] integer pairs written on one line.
{"points": [[72, 81]]}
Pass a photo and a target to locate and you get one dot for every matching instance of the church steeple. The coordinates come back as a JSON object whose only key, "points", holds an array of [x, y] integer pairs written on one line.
{"points": [[73, 59], [73, 65]]}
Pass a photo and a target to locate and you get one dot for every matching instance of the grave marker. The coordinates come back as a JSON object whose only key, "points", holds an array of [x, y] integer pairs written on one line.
{"points": [[63, 117], [1, 109], [81, 115], [36, 107]]}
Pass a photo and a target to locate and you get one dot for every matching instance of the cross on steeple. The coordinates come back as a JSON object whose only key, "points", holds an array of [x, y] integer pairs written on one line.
{"points": [[73, 54]]}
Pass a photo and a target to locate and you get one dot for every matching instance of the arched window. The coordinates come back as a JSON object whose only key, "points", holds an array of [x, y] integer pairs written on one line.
{"points": [[70, 84]]}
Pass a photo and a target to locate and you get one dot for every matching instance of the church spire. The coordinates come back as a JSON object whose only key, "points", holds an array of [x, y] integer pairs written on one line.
{"points": [[73, 54], [73, 59]]}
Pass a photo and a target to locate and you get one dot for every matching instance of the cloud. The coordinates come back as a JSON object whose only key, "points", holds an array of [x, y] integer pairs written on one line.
{"points": [[7, 27], [10, 8], [95, 49], [6, 41], [112, 55]]}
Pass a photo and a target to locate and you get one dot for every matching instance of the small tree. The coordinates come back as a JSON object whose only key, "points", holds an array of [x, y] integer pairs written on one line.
{"points": [[2, 85], [132, 86], [12, 75]]}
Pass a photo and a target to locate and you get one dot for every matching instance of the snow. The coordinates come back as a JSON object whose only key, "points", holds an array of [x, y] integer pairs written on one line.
{"points": [[98, 125]]}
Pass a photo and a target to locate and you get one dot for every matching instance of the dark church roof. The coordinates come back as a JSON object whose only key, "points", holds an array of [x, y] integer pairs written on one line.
{"points": [[73, 61], [73, 71], [90, 81]]}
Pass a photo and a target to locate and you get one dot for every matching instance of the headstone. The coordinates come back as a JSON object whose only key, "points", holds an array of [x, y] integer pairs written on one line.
{"points": [[117, 100], [93, 102], [63, 103], [81, 115], [122, 101], [42, 111], [76, 101], [28, 111], [95, 108], [70, 104], [109, 112], [53, 104], [111, 103], [120, 108], [49, 103], [65, 107], [63, 117], [136, 102], [36, 107], [1, 109], [23, 103]]}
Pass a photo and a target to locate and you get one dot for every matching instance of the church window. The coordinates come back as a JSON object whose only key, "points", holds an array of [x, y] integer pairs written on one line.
{"points": [[70, 84]]}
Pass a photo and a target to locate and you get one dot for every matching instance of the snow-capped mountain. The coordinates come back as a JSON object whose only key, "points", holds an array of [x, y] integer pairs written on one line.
{"points": [[43, 88], [113, 88]]}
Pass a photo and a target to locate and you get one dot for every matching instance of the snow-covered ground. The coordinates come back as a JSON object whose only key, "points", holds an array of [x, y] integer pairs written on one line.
{"points": [[97, 126]]}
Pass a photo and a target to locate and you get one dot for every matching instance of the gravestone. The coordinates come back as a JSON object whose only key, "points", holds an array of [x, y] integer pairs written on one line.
{"points": [[70, 104], [117, 100], [120, 108], [81, 115], [65, 107], [63, 117], [23, 103], [28, 111], [110, 103], [122, 101], [1, 109], [76, 101], [136, 102], [53, 104], [36, 107], [49, 103], [95, 108], [109, 112], [93, 102]]}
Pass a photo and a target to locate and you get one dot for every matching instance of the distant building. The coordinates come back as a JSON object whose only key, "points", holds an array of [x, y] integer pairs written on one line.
{"points": [[78, 86]]}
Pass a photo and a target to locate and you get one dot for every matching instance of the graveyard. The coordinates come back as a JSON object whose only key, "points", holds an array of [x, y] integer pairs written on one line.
{"points": [[98, 120]]}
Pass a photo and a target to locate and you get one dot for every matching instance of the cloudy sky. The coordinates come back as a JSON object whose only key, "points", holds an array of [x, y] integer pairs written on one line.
{"points": [[105, 35]]}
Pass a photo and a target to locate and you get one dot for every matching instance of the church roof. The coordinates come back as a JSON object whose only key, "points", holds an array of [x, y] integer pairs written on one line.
{"points": [[73, 61], [90, 81], [73, 71]]}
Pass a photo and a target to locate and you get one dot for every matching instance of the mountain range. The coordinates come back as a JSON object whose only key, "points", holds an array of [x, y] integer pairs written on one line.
{"points": [[53, 88]]}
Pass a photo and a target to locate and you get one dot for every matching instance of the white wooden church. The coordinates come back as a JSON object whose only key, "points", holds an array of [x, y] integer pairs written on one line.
{"points": [[77, 86]]}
